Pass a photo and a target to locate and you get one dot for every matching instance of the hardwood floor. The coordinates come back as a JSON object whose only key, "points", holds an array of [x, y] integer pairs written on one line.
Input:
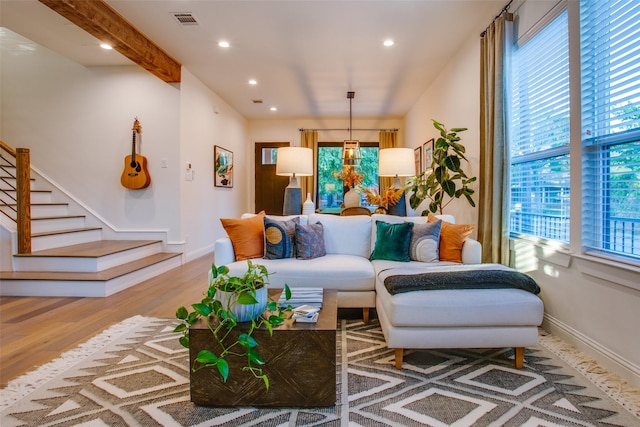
{"points": [[35, 330]]}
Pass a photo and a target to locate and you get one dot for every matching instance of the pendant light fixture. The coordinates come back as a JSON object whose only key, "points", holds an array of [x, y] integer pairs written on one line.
{"points": [[351, 155]]}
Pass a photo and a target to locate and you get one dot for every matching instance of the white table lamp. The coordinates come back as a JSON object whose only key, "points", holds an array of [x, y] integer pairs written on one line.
{"points": [[294, 162], [396, 162]]}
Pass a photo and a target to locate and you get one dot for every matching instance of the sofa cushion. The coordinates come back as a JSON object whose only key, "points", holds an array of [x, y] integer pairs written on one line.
{"points": [[425, 241], [452, 237], [459, 307], [340, 272], [392, 241], [310, 241], [279, 238], [345, 235], [246, 235]]}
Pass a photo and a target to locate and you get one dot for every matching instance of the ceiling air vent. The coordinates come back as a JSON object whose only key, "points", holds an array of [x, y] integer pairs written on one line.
{"points": [[257, 101], [185, 18]]}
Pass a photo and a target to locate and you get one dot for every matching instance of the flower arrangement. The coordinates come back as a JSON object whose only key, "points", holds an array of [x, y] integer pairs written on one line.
{"points": [[349, 176], [389, 197]]}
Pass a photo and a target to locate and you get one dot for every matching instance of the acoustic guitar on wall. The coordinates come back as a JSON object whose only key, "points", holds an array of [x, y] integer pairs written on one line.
{"points": [[135, 174]]}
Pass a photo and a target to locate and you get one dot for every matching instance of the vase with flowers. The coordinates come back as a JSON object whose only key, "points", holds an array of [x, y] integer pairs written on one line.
{"points": [[389, 197], [351, 177]]}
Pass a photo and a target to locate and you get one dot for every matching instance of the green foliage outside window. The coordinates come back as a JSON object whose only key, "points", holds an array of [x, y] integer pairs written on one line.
{"points": [[330, 188]]}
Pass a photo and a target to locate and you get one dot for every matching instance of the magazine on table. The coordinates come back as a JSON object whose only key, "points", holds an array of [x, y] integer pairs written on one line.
{"points": [[303, 296]]}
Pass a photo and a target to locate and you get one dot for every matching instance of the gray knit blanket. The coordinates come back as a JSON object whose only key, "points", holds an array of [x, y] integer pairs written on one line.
{"points": [[469, 279]]}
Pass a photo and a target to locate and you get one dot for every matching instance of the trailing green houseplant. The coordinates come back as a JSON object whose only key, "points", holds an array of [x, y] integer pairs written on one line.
{"points": [[223, 308], [445, 180]]}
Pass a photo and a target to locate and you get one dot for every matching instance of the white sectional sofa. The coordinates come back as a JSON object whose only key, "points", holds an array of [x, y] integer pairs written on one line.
{"points": [[459, 318]]}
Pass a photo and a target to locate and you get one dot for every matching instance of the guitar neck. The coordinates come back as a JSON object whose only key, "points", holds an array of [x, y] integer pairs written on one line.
{"points": [[133, 147]]}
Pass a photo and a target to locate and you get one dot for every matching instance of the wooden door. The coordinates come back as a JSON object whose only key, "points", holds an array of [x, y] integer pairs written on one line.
{"points": [[269, 186]]}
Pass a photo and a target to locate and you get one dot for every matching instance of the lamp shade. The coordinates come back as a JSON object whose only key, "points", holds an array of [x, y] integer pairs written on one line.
{"points": [[396, 162], [294, 161]]}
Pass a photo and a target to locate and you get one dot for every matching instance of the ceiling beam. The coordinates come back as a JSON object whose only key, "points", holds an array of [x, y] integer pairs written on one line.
{"points": [[98, 19]]}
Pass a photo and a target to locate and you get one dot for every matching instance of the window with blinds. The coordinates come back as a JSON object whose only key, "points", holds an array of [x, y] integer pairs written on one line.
{"points": [[610, 88], [539, 133]]}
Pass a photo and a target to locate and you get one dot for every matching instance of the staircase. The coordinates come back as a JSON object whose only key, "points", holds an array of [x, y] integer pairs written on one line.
{"points": [[69, 256]]}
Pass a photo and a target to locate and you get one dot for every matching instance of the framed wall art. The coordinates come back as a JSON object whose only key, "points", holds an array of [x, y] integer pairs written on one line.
{"points": [[417, 154], [427, 154], [223, 167]]}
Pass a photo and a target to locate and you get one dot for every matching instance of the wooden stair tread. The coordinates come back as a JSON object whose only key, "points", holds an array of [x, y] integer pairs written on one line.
{"points": [[104, 275], [57, 217], [72, 230], [39, 204], [32, 191], [94, 249]]}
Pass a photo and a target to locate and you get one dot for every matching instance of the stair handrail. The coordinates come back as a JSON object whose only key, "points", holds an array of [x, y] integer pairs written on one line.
{"points": [[23, 195]]}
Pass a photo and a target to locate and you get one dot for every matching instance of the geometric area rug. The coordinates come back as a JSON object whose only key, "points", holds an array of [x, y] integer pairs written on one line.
{"points": [[136, 374]]}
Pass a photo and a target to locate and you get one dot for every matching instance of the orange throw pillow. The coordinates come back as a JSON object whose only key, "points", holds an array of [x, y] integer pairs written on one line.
{"points": [[452, 237], [246, 235]]}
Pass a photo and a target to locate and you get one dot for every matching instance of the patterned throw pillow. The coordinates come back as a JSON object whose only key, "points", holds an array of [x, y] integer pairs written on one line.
{"points": [[452, 237], [425, 240], [310, 241], [392, 241], [279, 237]]}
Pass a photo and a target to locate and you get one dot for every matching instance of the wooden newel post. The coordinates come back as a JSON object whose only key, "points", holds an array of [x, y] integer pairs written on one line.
{"points": [[23, 186]]}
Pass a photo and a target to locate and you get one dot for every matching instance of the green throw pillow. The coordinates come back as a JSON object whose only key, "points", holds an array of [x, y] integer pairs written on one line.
{"points": [[392, 241]]}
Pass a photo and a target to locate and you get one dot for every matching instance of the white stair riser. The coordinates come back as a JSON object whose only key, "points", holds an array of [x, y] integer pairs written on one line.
{"points": [[11, 183], [56, 224], [41, 243], [36, 197], [88, 265], [39, 211], [55, 288], [10, 212]]}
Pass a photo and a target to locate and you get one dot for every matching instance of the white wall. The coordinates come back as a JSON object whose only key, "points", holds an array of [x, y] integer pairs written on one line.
{"points": [[593, 304], [206, 120], [77, 121], [453, 99]]}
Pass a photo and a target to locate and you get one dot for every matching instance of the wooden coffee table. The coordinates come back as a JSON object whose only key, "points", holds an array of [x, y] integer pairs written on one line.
{"points": [[300, 361]]}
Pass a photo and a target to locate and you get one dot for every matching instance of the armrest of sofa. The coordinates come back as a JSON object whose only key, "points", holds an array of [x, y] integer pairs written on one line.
{"points": [[471, 252], [223, 253]]}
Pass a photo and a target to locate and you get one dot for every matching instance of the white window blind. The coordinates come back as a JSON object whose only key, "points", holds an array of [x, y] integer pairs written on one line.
{"points": [[539, 133], [610, 80]]}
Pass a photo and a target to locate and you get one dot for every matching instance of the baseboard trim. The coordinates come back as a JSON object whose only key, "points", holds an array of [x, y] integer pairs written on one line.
{"points": [[605, 356], [200, 253]]}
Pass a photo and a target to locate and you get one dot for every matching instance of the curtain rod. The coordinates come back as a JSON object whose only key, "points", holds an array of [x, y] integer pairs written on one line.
{"points": [[347, 129], [504, 9]]}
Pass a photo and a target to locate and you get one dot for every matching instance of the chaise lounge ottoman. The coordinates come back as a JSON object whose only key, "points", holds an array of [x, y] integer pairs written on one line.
{"points": [[456, 318]]}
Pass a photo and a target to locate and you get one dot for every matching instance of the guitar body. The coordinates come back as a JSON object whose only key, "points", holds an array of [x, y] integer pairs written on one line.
{"points": [[135, 174]]}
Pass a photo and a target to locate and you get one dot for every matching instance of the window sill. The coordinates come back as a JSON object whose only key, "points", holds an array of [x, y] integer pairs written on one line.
{"points": [[612, 271], [550, 251], [608, 269]]}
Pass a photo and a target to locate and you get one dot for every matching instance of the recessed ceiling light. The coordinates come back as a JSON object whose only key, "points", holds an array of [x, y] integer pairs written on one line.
{"points": [[253, 82], [388, 43], [273, 109], [106, 46], [223, 43]]}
